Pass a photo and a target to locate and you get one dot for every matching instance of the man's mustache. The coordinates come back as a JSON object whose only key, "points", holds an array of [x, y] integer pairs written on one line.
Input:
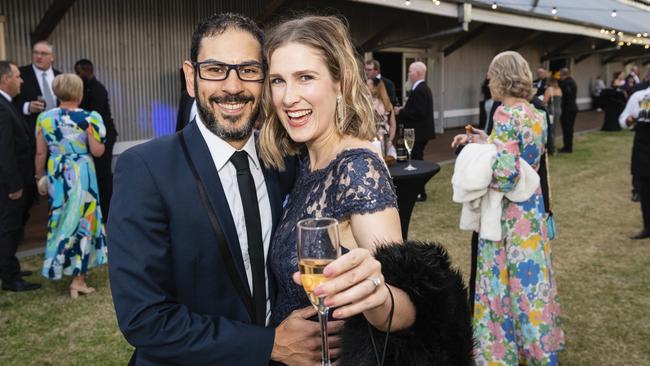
{"points": [[231, 98]]}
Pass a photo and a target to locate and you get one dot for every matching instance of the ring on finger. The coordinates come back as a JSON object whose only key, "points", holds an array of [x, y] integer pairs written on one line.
{"points": [[375, 281]]}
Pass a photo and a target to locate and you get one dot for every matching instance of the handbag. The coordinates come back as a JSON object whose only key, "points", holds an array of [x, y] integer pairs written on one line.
{"points": [[42, 185]]}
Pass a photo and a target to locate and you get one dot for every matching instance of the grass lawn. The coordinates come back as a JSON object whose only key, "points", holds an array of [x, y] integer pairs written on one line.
{"points": [[602, 275]]}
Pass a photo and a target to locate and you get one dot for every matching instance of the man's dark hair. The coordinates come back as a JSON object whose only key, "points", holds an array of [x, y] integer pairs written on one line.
{"points": [[219, 23], [84, 64], [5, 68], [375, 64]]}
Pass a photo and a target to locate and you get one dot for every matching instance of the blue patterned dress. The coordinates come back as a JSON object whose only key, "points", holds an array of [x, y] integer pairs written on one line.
{"points": [[516, 309], [355, 182], [75, 236]]}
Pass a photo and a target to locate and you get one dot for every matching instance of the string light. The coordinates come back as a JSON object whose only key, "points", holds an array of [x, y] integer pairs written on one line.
{"points": [[407, 2], [614, 13], [436, 2], [554, 10], [494, 5]]}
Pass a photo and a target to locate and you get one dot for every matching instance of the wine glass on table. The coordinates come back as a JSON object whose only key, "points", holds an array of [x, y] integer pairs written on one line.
{"points": [[318, 245], [409, 140]]}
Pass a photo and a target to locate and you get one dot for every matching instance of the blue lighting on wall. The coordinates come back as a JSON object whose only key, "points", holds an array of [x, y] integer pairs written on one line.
{"points": [[159, 119]]}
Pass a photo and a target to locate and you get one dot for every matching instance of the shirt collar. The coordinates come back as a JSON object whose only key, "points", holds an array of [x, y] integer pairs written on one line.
{"points": [[39, 72], [7, 96], [415, 85], [221, 150]]}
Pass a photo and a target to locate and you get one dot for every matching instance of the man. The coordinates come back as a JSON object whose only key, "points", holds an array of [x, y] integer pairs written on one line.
{"points": [[96, 99], [189, 239], [569, 109], [36, 95], [540, 82], [16, 170], [373, 70], [637, 114], [418, 113]]}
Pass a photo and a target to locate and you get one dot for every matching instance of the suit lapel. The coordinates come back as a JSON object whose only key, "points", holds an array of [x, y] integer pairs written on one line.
{"points": [[202, 159], [16, 116]]}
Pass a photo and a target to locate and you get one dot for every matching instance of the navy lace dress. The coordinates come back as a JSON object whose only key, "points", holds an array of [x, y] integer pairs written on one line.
{"points": [[355, 182]]}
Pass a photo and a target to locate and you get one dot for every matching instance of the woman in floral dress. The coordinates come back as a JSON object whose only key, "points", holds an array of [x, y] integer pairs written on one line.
{"points": [[75, 236], [516, 309]]}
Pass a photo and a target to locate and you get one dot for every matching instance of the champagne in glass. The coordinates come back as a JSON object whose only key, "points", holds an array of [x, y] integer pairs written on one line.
{"points": [[409, 141], [318, 245]]}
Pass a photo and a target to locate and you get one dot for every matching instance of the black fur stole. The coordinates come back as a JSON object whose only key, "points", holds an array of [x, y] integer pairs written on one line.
{"points": [[442, 333]]}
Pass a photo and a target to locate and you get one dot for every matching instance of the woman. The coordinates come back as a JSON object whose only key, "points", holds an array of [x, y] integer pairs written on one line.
{"points": [[383, 110], [317, 107], [75, 237], [516, 309], [553, 101]]}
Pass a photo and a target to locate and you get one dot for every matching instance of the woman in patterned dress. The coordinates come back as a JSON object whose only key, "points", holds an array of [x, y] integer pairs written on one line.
{"points": [[516, 311], [75, 237]]}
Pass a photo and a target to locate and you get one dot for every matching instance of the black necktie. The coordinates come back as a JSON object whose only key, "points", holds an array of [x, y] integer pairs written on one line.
{"points": [[248, 195]]}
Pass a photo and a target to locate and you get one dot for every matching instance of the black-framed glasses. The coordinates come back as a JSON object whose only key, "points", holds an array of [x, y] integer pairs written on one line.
{"points": [[217, 71]]}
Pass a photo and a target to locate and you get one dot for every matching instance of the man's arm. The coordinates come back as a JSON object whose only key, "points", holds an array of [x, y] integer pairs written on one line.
{"points": [[627, 118], [143, 285], [9, 172]]}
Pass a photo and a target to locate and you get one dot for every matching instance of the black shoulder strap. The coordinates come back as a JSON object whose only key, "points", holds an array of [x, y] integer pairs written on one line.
{"points": [[221, 239]]}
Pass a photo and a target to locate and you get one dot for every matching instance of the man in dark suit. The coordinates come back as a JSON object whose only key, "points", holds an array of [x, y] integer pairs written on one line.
{"points": [[16, 169], [96, 99], [35, 96], [191, 223], [569, 109], [373, 70], [418, 113], [540, 82]]}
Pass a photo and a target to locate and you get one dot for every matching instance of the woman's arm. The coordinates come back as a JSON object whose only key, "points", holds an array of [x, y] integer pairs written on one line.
{"points": [[96, 147], [548, 93], [41, 155]]}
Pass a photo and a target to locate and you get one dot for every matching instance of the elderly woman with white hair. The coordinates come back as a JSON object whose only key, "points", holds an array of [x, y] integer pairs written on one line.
{"points": [[516, 310]]}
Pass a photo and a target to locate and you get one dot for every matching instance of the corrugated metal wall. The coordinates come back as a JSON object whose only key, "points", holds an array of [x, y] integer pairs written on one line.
{"points": [[137, 47]]}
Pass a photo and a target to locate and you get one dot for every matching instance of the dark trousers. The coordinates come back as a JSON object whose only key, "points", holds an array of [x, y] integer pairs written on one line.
{"points": [[418, 154], [105, 184], [472, 272], [11, 229], [644, 192], [568, 119]]}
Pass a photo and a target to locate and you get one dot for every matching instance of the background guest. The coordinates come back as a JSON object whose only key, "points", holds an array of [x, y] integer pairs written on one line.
{"points": [[569, 108], [383, 109], [16, 171], [95, 98], [418, 113], [517, 269], [553, 101], [75, 237], [35, 97], [373, 70], [540, 82]]}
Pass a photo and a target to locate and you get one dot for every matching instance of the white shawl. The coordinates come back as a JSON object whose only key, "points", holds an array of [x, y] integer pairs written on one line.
{"points": [[482, 206]]}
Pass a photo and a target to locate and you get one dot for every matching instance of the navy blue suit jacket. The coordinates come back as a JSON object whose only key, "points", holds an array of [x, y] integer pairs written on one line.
{"points": [[173, 297]]}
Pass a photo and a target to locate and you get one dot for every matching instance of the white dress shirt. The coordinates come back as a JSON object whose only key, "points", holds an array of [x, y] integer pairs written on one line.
{"points": [[7, 96], [49, 75], [415, 84], [221, 151], [634, 105]]}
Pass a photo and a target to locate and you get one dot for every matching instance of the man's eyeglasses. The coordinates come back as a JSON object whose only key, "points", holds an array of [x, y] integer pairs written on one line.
{"points": [[41, 53], [217, 71]]}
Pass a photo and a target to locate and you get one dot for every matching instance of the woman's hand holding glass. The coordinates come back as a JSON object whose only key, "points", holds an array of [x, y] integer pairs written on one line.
{"points": [[355, 285]]}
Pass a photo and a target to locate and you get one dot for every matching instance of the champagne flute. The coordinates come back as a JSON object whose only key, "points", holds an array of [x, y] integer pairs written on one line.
{"points": [[409, 140], [318, 245]]}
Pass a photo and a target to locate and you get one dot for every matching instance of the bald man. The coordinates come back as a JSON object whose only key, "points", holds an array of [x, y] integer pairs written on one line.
{"points": [[418, 113]]}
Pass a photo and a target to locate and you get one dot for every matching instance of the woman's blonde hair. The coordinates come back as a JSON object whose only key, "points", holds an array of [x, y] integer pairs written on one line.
{"points": [[68, 87], [510, 75], [382, 93], [329, 35]]}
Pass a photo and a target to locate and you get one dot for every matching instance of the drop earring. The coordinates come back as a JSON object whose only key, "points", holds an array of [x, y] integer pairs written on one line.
{"points": [[340, 113]]}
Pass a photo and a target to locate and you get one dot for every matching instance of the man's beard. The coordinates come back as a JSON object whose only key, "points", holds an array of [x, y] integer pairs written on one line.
{"points": [[211, 121]]}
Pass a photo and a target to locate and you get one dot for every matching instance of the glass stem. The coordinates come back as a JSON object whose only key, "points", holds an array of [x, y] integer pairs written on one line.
{"points": [[409, 157], [322, 319]]}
